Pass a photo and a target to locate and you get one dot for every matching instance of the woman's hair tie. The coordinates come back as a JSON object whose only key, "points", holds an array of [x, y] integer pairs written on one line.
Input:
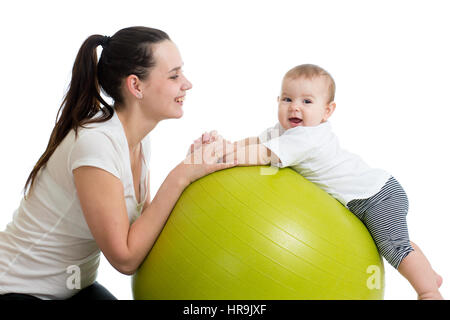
{"points": [[105, 41]]}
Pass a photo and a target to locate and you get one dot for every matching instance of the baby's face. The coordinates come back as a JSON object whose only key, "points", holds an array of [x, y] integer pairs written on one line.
{"points": [[304, 102]]}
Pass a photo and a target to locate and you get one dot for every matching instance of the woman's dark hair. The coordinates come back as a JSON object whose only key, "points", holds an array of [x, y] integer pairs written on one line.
{"points": [[127, 52]]}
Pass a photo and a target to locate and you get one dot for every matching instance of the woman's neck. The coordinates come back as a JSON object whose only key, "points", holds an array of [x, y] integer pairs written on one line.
{"points": [[135, 125]]}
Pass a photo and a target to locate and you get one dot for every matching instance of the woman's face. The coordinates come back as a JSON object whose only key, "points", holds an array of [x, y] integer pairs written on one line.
{"points": [[165, 88]]}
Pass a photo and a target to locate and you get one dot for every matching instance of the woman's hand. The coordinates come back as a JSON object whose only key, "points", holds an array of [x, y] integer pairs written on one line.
{"points": [[205, 156], [206, 137]]}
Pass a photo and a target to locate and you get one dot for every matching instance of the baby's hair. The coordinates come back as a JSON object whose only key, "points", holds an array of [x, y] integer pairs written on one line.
{"points": [[310, 71]]}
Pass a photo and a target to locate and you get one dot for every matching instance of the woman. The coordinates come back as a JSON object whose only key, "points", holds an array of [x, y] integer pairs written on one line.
{"points": [[89, 191]]}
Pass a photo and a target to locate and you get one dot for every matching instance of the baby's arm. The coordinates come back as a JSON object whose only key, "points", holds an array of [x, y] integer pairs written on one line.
{"points": [[250, 152], [246, 142]]}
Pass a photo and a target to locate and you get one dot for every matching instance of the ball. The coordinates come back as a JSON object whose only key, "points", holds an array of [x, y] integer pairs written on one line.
{"points": [[260, 233]]}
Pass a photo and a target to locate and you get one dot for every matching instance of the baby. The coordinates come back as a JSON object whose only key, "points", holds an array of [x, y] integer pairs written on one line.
{"points": [[303, 140]]}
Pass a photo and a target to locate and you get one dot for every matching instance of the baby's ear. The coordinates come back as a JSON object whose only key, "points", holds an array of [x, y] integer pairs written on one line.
{"points": [[278, 99], [332, 105], [330, 109]]}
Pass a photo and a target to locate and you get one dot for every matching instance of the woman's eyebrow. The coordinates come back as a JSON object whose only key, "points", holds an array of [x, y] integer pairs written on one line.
{"points": [[175, 69]]}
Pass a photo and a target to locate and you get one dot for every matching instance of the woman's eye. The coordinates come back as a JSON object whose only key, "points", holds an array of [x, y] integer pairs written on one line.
{"points": [[174, 77]]}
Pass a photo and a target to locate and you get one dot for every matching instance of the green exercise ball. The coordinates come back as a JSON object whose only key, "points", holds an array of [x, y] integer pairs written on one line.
{"points": [[260, 233]]}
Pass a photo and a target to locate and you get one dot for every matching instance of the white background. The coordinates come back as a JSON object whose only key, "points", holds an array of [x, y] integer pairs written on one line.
{"points": [[390, 61]]}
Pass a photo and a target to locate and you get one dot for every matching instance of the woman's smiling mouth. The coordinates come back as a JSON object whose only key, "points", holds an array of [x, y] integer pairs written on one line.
{"points": [[179, 99]]}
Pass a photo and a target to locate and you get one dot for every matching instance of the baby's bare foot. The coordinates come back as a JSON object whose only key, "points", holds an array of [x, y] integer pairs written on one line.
{"points": [[438, 280], [434, 295]]}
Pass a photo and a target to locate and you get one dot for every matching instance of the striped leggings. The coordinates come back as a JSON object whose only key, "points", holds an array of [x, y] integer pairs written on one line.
{"points": [[384, 215]]}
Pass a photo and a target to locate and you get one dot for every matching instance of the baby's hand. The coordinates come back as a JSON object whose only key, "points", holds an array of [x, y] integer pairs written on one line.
{"points": [[206, 137], [211, 136]]}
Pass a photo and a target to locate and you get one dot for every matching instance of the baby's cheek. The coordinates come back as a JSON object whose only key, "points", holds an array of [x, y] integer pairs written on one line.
{"points": [[282, 118]]}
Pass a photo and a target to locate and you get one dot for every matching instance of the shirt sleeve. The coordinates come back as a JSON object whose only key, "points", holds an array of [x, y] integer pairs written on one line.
{"points": [[292, 147], [270, 133], [96, 149]]}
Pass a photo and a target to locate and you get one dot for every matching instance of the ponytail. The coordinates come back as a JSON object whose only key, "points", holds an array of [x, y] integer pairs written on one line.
{"points": [[123, 54]]}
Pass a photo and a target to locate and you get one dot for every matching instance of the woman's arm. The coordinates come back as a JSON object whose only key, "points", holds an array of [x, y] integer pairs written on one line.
{"points": [[103, 205], [102, 200]]}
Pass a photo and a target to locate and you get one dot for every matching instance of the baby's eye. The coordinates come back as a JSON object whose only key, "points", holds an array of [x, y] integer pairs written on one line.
{"points": [[287, 99], [307, 101]]}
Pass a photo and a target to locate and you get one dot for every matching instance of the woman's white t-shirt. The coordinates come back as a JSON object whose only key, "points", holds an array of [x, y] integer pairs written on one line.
{"points": [[48, 250], [314, 152]]}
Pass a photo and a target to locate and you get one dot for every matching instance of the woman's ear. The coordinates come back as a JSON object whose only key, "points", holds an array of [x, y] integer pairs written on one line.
{"points": [[133, 85]]}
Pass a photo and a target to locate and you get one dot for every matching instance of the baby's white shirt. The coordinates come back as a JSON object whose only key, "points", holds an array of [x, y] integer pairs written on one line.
{"points": [[315, 153]]}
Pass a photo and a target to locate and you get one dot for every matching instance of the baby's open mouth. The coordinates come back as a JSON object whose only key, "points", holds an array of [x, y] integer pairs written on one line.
{"points": [[295, 120]]}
